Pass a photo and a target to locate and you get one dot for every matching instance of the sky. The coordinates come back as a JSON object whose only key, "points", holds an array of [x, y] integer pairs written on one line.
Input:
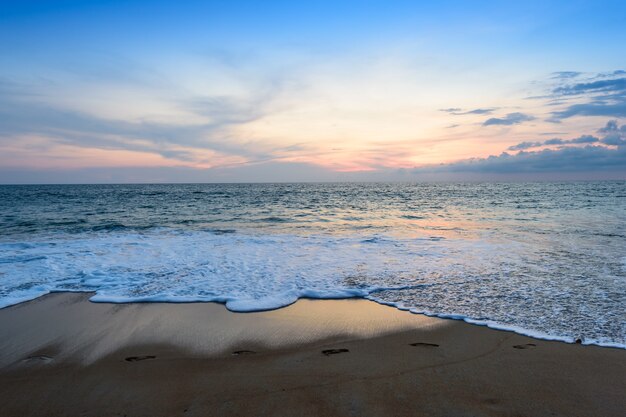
{"points": [[249, 91]]}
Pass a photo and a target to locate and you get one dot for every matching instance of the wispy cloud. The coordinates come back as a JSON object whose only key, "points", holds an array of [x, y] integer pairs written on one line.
{"points": [[460, 112], [602, 94], [24, 113], [597, 108], [509, 119], [565, 74], [601, 86]]}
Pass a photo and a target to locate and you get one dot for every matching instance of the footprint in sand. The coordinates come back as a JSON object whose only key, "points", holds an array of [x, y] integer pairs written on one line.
{"points": [[422, 344], [525, 346], [329, 352], [139, 358], [38, 358], [243, 352]]}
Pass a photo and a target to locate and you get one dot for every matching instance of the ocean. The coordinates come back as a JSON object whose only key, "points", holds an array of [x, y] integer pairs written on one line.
{"points": [[543, 259]]}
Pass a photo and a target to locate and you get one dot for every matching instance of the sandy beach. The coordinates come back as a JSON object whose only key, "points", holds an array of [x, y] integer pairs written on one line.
{"points": [[62, 355]]}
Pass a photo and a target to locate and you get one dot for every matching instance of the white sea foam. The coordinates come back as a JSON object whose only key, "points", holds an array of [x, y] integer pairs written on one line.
{"points": [[492, 283]]}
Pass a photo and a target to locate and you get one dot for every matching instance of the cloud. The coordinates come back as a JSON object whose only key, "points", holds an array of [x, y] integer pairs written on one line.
{"points": [[554, 141], [584, 139], [614, 140], [509, 119], [524, 145], [610, 74], [459, 112], [85, 130], [611, 127], [23, 113], [481, 111], [594, 156], [613, 133], [565, 74], [551, 133], [602, 95], [591, 109], [600, 86], [568, 159]]}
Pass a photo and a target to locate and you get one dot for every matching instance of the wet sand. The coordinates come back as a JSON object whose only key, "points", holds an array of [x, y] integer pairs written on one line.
{"points": [[62, 355]]}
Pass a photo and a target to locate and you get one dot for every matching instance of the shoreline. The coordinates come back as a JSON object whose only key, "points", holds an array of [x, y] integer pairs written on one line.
{"points": [[188, 323], [494, 325], [63, 355]]}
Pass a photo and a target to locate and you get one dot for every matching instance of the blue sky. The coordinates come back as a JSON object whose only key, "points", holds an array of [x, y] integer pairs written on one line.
{"points": [[138, 91]]}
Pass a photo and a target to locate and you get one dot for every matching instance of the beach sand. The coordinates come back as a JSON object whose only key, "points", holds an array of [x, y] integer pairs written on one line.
{"points": [[61, 355]]}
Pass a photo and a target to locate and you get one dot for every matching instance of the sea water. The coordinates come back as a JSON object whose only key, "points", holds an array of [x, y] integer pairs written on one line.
{"points": [[545, 259]]}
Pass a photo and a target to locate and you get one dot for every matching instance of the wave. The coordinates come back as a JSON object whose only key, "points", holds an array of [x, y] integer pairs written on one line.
{"points": [[493, 282]]}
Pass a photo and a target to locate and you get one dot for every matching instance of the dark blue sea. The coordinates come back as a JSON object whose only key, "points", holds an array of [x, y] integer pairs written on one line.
{"points": [[545, 259]]}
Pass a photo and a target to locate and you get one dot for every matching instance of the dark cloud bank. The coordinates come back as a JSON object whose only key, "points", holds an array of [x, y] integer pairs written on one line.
{"points": [[567, 160], [612, 134], [583, 155]]}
